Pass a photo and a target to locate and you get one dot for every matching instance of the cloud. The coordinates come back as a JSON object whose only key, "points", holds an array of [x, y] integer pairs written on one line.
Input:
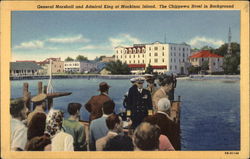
{"points": [[124, 40], [96, 47], [73, 39], [198, 42], [37, 44]]}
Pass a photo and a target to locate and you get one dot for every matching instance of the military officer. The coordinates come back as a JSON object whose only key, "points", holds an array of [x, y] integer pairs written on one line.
{"points": [[139, 102]]}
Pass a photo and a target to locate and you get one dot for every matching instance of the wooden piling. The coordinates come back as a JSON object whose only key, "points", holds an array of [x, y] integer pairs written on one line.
{"points": [[26, 95], [40, 87]]}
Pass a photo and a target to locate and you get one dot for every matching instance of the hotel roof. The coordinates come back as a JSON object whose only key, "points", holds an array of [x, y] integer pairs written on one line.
{"points": [[204, 54]]}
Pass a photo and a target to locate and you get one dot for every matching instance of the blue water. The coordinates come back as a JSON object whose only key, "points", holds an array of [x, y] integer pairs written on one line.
{"points": [[210, 109]]}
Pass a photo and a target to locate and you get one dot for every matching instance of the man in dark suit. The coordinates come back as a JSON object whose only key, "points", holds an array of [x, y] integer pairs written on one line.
{"points": [[94, 105], [167, 125], [139, 102]]}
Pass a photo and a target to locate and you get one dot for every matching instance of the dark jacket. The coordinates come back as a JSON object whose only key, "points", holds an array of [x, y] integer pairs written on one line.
{"points": [[168, 128], [138, 104], [94, 106]]}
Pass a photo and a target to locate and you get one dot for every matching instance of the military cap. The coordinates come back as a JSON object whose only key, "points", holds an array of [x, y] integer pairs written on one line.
{"points": [[39, 98]]}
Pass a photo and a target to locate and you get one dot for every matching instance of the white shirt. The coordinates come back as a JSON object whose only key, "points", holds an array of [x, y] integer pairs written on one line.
{"points": [[18, 134], [62, 142]]}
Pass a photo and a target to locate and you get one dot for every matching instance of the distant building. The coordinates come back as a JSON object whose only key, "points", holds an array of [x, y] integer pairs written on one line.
{"points": [[57, 65], [104, 71], [24, 69], [215, 61], [163, 57], [79, 66], [108, 59]]}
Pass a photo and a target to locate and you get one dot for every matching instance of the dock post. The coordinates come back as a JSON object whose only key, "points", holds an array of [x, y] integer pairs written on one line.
{"points": [[40, 87], [26, 95]]}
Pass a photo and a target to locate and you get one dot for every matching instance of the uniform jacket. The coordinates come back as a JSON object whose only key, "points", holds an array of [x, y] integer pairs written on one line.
{"points": [[94, 106], [139, 102]]}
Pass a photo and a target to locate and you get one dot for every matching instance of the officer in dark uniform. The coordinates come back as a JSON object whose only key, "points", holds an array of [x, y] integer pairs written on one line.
{"points": [[139, 102]]}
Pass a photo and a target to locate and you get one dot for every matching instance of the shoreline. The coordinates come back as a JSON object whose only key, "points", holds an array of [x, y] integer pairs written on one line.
{"points": [[91, 76]]}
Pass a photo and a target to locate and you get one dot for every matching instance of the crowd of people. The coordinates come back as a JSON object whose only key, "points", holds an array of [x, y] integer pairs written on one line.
{"points": [[147, 119]]}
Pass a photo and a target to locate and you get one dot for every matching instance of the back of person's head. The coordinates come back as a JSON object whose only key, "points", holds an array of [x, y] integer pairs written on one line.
{"points": [[73, 108], [36, 125], [108, 107], [16, 107], [119, 143], [53, 122], [38, 143], [163, 105], [112, 121], [146, 137]]}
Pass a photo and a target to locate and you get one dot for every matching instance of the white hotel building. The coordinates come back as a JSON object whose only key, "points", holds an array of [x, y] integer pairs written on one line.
{"points": [[162, 57]]}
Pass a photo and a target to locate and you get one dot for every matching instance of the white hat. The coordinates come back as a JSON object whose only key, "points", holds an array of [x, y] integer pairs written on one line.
{"points": [[164, 104], [133, 80]]}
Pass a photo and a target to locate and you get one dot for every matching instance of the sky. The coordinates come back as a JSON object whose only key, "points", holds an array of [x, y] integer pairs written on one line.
{"points": [[37, 35]]}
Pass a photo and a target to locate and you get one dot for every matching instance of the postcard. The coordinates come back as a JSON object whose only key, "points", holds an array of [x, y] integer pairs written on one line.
{"points": [[124, 79]]}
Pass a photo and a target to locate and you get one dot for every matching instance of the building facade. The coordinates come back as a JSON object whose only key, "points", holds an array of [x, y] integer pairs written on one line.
{"points": [[79, 66], [108, 59], [161, 56], [57, 65], [24, 69], [215, 62]]}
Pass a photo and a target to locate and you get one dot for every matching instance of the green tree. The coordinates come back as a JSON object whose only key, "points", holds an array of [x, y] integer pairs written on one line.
{"points": [[205, 66], [231, 64], [69, 59], [81, 58], [149, 69], [193, 69], [222, 50], [117, 67], [209, 48]]}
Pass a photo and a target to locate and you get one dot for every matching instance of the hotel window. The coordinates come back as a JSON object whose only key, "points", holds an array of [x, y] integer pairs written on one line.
{"points": [[134, 56], [129, 56], [183, 49], [121, 51], [183, 55], [134, 61], [163, 48], [138, 61], [156, 54], [183, 60], [175, 67], [149, 54], [179, 54], [125, 56], [171, 60], [142, 61], [149, 60], [163, 54], [121, 56], [162, 60], [170, 67], [174, 60], [142, 55], [117, 51], [174, 54], [149, 48], [129, 61], [156, 48], [171, 53], [202, 59], [179, 60], [218, 59], [156, 60], [138, 56], [134, 50], [214, 63]]}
